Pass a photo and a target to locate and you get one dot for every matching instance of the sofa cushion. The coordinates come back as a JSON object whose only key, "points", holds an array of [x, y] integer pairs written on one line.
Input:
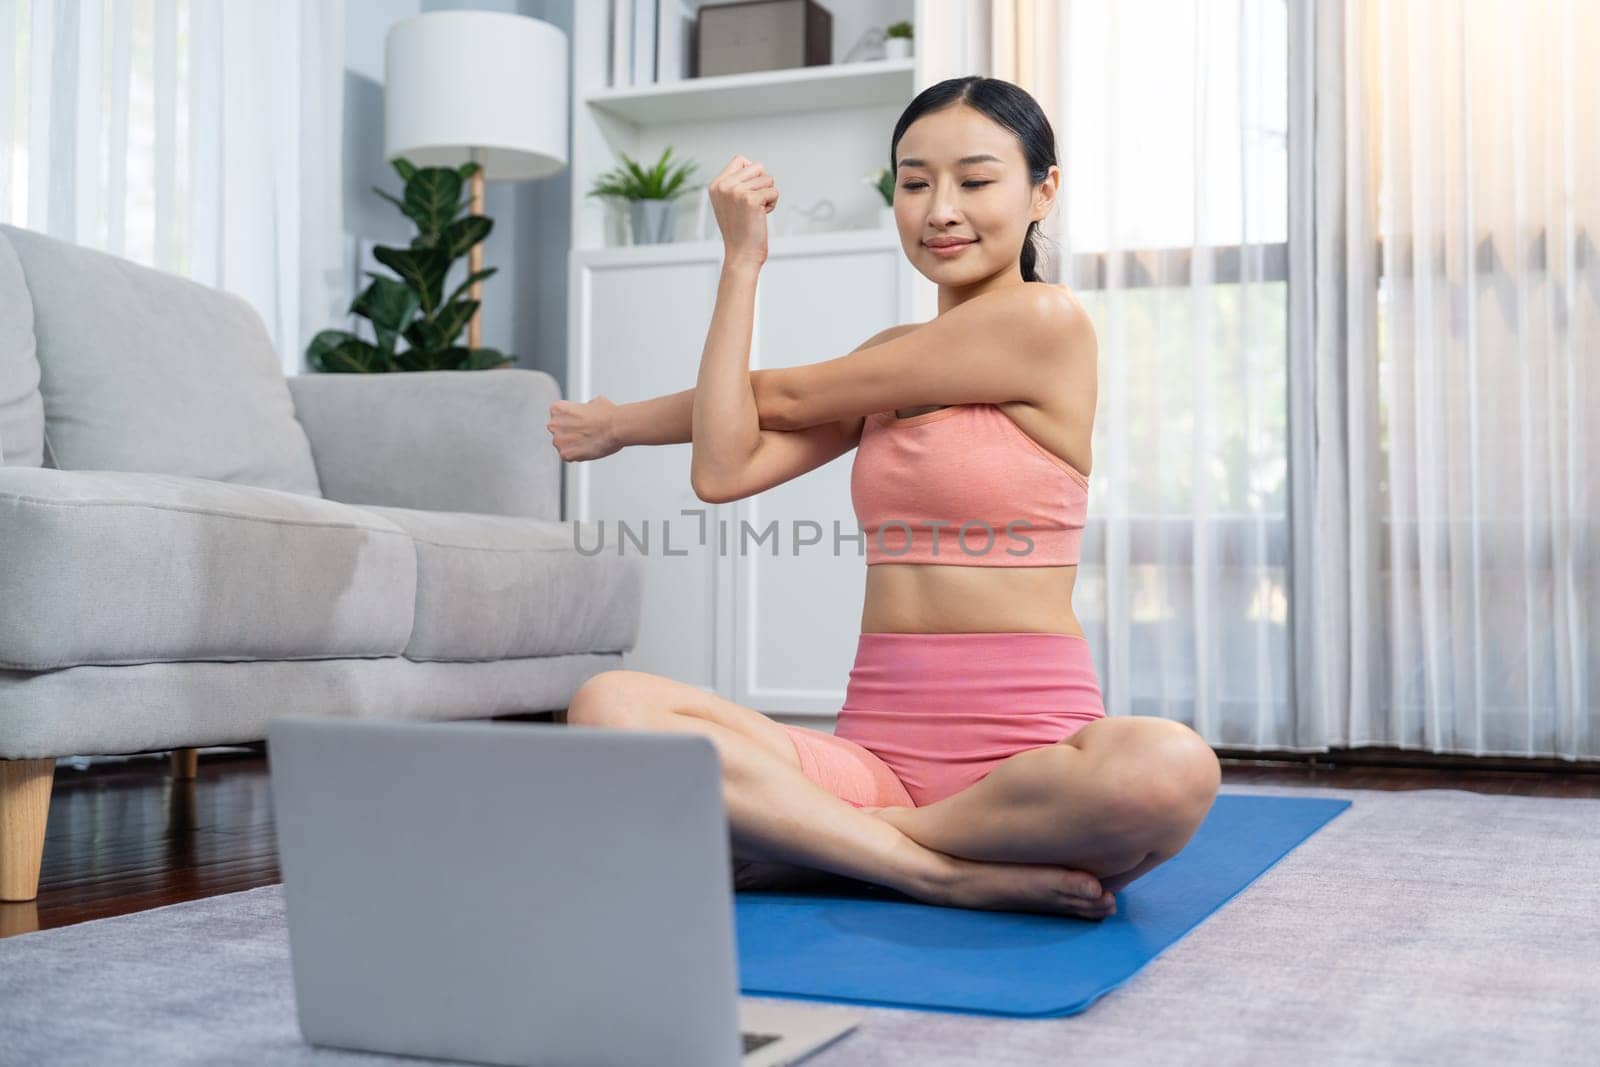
{"points": [[141, 370], [493, 586], [90, 710], [112, 568], [21, 407]]}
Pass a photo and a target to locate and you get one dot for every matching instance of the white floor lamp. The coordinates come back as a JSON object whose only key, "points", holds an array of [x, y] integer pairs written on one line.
{"points": [[479, 86]]}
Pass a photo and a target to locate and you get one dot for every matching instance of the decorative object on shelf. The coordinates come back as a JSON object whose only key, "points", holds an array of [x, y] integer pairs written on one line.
{"points": [[483, 87], [868, 46], [898, 43], [650, 195], [883, 181], [762, 35], [793, 220], [413, 306]]}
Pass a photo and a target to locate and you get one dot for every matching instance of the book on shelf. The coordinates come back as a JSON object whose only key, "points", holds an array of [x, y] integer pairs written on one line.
{"points": [[643, 46], [621, 34], [674, 39], [651, 41]]}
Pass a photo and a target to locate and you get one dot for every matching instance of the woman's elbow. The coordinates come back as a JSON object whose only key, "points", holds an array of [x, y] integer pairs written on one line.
{"points": [[705, 488]]}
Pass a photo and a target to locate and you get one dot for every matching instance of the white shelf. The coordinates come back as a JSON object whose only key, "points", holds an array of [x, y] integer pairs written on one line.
{"points": [[767, 92], [778, 247]]}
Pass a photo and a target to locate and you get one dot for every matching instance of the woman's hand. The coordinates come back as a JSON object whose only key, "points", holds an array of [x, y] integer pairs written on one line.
{"points": [[583, 431], [742, 196]]}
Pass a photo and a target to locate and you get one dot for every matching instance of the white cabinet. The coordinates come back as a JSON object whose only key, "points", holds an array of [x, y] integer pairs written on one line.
{"points": [[752, 613], [637, 338], [774, 632]]}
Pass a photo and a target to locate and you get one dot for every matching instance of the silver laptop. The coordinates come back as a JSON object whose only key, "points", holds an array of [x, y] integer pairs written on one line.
{"points": [[518, 893]]}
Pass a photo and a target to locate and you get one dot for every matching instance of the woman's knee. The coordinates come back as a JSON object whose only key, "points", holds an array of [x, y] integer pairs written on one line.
{"points": [[1188, 776], [610, 698], [1156, 778]]}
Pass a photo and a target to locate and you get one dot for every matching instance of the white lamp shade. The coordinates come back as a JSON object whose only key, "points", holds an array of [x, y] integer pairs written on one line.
{"points": [[455, 81]]}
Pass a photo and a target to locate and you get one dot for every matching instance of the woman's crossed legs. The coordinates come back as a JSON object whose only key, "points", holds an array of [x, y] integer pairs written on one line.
{"points": [[1056, 828]]}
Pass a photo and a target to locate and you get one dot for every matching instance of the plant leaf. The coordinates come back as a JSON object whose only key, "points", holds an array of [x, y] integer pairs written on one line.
{"points": [[432, 194], [421, 268], [475, 276], [484, 359], [414, 359], [389, 305], [459, 236], [452, 319], [423, 335], [338, 351]]}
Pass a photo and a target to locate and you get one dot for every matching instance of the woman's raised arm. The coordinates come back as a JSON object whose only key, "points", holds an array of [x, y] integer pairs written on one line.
{"points": [[725, 419]]}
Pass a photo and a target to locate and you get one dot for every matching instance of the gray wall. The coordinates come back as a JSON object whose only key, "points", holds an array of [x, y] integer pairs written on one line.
{"points": [[525, 303]]}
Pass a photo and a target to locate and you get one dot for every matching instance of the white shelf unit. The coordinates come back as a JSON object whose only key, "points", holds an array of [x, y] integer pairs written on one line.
{"points": [[776, 633]]}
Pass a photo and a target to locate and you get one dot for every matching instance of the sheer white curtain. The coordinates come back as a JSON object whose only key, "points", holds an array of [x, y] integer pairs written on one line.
{"points": [[1440, 356], [1456, 502], [200, 137], [1171, 227]]}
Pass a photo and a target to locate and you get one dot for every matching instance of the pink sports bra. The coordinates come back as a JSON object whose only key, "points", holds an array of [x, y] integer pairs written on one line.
{"points": [[964, 485]]}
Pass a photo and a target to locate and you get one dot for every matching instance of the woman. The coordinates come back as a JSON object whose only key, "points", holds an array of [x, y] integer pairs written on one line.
{"points": [[972, 764]]}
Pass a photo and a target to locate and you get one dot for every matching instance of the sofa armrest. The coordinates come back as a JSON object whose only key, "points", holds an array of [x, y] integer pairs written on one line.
{"points": [[436, 440]]}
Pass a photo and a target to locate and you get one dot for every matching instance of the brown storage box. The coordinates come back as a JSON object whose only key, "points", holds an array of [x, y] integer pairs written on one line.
{"points": [[762, 35]]}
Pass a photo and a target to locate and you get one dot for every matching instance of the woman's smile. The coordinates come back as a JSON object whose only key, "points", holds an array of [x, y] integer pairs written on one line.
{"points": [[950, 251]]}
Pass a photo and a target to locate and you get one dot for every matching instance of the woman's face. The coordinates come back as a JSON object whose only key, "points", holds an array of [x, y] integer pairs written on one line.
{"points": [[988, 202]]}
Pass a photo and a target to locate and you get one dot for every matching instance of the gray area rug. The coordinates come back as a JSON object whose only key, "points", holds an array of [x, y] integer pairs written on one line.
{"points": [[1434, 926]]}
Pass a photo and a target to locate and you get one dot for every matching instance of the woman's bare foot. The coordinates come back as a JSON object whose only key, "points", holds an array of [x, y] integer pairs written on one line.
{"points": [[965, 884], [1033, 887], [957, 882]]}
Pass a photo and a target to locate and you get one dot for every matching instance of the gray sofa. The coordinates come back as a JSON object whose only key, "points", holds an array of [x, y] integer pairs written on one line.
{"points": [[191, 543]]}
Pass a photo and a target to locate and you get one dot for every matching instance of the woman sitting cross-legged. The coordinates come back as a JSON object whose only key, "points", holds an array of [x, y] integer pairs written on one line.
{"points": [[972, 763]]}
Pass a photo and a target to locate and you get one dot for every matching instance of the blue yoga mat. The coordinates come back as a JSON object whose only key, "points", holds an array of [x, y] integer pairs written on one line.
{"points": [[874, 945]]}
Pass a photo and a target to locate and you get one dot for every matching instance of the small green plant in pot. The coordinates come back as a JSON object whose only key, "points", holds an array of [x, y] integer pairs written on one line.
{"points": [[413, 306], [650, 194], [898, 43]]}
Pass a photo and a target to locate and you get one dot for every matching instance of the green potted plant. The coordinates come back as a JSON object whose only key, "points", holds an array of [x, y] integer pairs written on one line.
{"points": [[883, 181], [413, 306], [650, 195], [898, 40]]}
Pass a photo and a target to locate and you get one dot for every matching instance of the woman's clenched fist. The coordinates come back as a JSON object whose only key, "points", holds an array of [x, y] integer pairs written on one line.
{"points": [[742, 197], [583, 431]]}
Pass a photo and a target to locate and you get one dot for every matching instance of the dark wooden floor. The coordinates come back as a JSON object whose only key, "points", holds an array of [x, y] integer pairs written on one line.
{"points": [[123, 837]]}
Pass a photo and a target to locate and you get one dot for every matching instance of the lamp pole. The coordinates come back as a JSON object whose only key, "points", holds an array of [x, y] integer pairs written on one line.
{"points": [[475, 255]]}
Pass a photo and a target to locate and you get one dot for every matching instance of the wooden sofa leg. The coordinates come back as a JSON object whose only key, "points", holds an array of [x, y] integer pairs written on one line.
{"points": [[185, 762], [24, 810]]}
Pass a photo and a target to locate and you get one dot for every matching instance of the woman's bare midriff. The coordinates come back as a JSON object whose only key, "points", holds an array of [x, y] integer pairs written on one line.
{"points": [[947, 598], [956, 598]]}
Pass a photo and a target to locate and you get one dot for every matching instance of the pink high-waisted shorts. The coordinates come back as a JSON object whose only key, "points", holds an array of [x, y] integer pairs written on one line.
{"points": [[927, 715]]}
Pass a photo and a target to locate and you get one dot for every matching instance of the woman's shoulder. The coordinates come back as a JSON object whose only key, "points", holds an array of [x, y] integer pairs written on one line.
{"points": [[1017, 299], [1061, 292], [1069, 319], [1019, 303]]}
